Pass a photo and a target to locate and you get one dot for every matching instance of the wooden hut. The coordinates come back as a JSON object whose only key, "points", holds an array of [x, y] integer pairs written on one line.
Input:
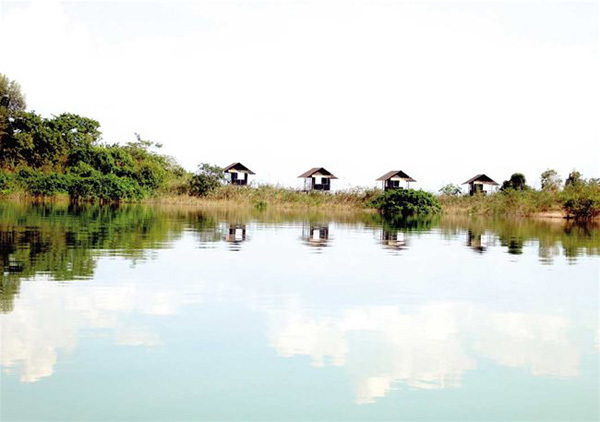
{"points": [[477, 183], [237, 174], [317, 179], [392, 179]]}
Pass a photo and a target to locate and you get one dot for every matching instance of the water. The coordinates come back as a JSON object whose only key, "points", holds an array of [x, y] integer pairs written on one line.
{"points": [[138, 313]]}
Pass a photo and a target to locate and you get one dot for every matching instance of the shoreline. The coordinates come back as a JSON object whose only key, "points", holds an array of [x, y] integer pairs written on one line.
{"points": [[291, 206]]}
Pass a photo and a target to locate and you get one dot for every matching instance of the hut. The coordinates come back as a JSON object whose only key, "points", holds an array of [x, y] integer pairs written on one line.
{"points": [[317, 178], [392, 179], [237, 174], [477, 183]]}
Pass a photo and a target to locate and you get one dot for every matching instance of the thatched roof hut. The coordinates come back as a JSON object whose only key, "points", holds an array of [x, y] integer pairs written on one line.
{"points": [[237, 174], [476, 183], [317, 178], [392, 179]]}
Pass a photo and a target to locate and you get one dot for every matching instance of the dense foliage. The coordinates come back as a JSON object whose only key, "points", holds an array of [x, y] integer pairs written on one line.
{"points": [[206, 180], [64, 154], [517, 182], [581, 200], [406, 203]]}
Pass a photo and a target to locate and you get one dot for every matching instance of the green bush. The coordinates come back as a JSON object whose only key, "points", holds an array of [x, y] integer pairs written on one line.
{"points": [[6, 182], [40, 184], [206, 180], [406, 203], [582, 201], [107, 188]]}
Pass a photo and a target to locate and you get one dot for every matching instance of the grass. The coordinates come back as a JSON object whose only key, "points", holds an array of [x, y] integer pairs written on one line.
{"points": [[270, 196], [508, 204], [511, 203]]}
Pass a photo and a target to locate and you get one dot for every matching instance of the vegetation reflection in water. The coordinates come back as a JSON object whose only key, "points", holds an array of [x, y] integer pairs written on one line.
{"points": [[423, 327]]}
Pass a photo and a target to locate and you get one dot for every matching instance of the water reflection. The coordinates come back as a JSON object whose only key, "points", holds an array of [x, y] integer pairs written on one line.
{"points": [[480, 242], [433, 324], [426, 348], [236, 234], [316, 235], [394, 239]]}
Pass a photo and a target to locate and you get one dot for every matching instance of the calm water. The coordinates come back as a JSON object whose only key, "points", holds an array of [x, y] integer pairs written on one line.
{"points": [[181, 314]]}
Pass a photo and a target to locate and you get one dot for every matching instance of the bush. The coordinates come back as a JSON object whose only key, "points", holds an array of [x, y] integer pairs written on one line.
{"points": [[206, 180], [39, 184], [107, 188], [582, 201], [406, 203], [6, 182]]}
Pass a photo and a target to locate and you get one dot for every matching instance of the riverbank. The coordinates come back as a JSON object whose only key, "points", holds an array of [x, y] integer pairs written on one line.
{"points": [[520, 204]]}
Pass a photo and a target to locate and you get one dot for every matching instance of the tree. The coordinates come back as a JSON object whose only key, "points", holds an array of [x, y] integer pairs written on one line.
{"points": [[12, 101], [207, 179], [11, 96], [575, 179], [517, 182], [450, 190], [551, 181]]}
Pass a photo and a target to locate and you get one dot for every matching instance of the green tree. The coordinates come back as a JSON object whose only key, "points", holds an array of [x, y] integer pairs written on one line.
{"points": [[11, 96], [517, 182], [12, 102], [575, 179], [551, 181], [207, 179], [450, 190]]}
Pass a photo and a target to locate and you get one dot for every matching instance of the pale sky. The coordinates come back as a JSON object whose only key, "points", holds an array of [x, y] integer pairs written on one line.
{"points": [[441, 90]]}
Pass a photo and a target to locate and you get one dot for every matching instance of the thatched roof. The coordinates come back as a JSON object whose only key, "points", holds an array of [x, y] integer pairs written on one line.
{"points": [[239, 167], [320, 170], [481, 178], [397, 173]]}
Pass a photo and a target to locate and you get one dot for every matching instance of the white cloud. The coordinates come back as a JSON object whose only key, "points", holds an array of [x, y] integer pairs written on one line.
{"points": [[430, 347]]}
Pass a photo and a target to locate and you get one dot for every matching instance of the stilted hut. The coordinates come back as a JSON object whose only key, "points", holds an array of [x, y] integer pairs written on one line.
{"points": [[477, 183], [393, 179], [237, 174], [317, 179]]}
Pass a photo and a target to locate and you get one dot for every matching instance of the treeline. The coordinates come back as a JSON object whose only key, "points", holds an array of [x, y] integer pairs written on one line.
{"points": [[64, 154], [577, 197]]}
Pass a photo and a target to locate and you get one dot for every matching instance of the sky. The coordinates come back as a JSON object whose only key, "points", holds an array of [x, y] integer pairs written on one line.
{"points": [[441, 90]]}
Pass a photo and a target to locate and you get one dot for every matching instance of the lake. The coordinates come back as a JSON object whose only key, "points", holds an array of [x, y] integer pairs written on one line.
{"points": [[137, 313]]}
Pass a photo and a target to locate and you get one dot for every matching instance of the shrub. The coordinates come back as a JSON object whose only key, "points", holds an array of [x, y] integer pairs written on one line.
{"points": [[406, 203], [582, 201], [6, 182], [107, 188], [39, 184], [207, 179]]}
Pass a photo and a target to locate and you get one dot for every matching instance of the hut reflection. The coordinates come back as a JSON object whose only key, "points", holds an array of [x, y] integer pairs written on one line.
{"points": [[393, 239], [236, 234], [474, 242], [316, 235], [479, 241]]}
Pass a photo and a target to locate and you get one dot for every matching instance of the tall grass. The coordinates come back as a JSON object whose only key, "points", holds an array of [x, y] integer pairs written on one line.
{"points": [[266, 196]]}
